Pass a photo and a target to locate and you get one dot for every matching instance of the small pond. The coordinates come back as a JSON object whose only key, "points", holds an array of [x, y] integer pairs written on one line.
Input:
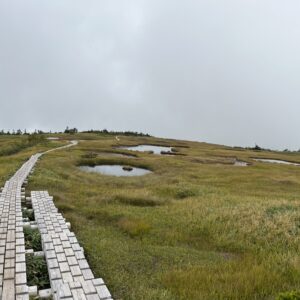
{"points": [[276, 161], [52, 138], [147, 148], [115, 170], [240, 163]]}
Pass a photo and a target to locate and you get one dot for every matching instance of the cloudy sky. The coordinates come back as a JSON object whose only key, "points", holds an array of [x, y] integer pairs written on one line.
{"points": [[222, 71]]}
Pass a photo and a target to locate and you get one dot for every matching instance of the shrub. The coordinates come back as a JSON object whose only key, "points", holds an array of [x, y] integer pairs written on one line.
{"points": [[28, 214], [35, 138], [32, 239], [71, 130], [37, 272], [109, 132]]}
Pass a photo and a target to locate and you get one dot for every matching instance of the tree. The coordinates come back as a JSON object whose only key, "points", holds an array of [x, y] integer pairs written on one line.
{"points": [[71, 130]]}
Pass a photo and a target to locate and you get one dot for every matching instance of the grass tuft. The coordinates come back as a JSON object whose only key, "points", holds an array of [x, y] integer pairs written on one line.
{"points": [[293, 295], [134, 227], [139, 201], [227, 280], [183, 192], [274, 210]]}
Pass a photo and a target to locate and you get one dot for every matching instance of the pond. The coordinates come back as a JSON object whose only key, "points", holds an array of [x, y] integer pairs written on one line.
{"points": [[276, 161], [149, 148], [115, 170], [240, 163], [114, 154], [52, 138]]}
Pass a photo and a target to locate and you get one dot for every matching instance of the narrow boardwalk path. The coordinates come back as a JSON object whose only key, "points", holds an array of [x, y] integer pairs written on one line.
{"points": [[12, 250], [69, 272]]}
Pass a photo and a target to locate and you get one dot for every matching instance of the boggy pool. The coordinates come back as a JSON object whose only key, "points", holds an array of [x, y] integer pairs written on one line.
{"points": [[240, 163], [276, 161], [147, 148], [115, 170]]}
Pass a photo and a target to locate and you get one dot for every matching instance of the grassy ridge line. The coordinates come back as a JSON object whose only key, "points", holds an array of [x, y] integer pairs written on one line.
{"points": [[197, 228]]}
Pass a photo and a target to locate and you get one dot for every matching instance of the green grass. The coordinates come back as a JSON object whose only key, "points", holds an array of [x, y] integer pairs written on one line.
{"points": [[196, 228], [293, 295]]}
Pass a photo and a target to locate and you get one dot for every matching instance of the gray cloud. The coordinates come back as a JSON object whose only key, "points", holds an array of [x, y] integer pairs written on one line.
{"points": [[213, 70]]}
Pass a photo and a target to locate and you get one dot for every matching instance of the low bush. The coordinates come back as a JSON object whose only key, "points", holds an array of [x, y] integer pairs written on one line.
{"points": [[26, 213], [32, 239], [37, 272]]}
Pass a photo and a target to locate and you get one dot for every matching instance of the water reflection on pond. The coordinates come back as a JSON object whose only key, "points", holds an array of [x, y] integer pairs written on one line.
{"points": [[276, 161], [240, 163], [115, 170], [148, 148]]}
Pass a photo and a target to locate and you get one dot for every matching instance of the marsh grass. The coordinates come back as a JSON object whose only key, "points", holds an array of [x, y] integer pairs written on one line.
{"points": [[196, 228], [229, 281], [134, 227], [20, 143], [293, 295], [281, 209], [102, 217]]}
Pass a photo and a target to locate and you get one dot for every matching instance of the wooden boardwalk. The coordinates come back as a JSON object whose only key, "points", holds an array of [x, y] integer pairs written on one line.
{"points": [[13, 281], [69, 272]]}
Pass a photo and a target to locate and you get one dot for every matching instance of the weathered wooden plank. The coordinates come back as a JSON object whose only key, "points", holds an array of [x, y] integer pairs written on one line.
{"points": [[12, 252], [70, 274]]}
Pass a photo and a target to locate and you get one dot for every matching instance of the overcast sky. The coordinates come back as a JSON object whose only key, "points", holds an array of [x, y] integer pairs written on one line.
{"points": [[221, 71]]}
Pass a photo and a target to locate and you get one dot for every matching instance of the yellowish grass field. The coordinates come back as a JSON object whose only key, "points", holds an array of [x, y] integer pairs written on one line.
{"points": [[198, 227]]}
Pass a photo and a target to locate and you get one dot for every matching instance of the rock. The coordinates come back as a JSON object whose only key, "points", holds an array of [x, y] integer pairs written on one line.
{"points": [[127, 169]]}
